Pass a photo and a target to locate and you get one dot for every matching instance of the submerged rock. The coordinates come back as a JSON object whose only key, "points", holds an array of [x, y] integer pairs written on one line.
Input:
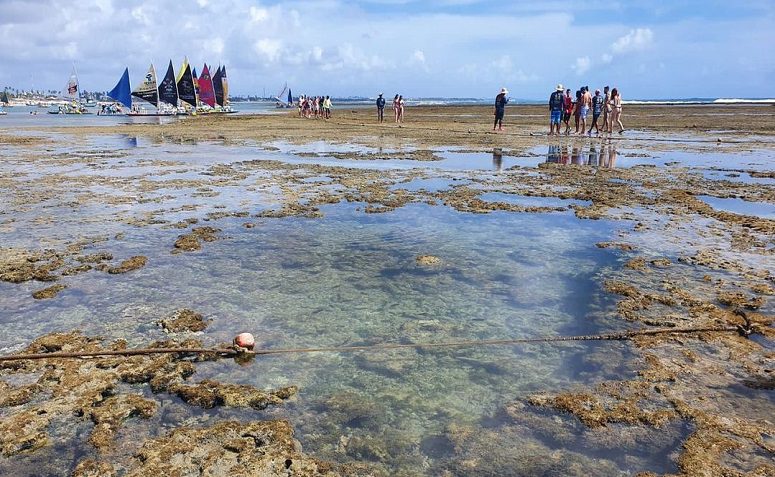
{"points": [[49, 292], [128, 265], [209, 394], [234, 449], [184, 320], [192, 241], [428, 260]]}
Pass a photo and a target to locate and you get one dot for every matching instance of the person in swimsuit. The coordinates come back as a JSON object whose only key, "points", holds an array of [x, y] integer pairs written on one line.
{"points": [[400, 109], [500, 109], [616, 110], [395, 107], [606, 110], [586, 103]]}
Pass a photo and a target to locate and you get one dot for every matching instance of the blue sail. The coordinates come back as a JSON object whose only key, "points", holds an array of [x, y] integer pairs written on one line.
{"points": [[122, 92], [290, 97]]}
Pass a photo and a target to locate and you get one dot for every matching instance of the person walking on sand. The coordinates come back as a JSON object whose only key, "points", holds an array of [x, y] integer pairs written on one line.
{"points": [[327, 107], [500, 108], [597, 108], [616, 110], [556, 107], [567, 111], [606, 110], [586, 104], [400, 109], [380, 108], [577, 110], [395, 107]]}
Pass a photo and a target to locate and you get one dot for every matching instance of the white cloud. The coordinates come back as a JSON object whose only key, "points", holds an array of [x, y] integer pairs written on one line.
{"points": [[636, 40], [605, 58], [582, 65], [268, 49], [258, 15], [418, 56]]}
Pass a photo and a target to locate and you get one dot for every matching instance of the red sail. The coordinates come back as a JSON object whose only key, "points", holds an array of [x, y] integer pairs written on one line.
{"points": [[206, 92]]}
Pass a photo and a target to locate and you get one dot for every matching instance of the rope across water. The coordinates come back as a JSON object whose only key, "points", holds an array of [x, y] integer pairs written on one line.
{"points": [[622, 336]]}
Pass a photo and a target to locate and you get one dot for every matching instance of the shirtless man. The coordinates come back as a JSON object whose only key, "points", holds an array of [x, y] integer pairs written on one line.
{"points": [[586, 104]]}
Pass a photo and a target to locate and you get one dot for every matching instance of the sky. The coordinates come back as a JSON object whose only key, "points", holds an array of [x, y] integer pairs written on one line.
{"points": [[419, 48]]}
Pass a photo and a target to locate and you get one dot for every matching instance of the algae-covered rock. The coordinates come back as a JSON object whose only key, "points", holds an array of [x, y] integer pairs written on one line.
{"points": [[428, 260], [111, 413], [231, 448], [92, 468], [128, 265], [67, 391], [209, 394], [19, 265], [184, 320], [192, 241], [49, 292]]}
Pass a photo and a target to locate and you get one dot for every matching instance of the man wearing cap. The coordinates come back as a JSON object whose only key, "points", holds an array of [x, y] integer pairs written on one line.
{"points": [[381, 108], [556, 103], [500, 108]]}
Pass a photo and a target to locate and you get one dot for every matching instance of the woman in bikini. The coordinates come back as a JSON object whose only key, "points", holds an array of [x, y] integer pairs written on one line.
{"points": [[395, 107], [616, 109]]}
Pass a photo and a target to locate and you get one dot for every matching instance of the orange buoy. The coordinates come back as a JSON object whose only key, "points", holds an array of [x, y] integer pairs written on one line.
{"points": [[245, 340]]}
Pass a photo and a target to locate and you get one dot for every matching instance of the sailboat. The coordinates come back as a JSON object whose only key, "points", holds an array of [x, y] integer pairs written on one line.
{"points": [[122, 93], [186, 88], [280, 102], [206, 90], [221, 88], [168, 89], [148, 91], [74, 106]]}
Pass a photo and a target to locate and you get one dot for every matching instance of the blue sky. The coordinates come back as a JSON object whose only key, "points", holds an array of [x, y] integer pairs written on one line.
{"points": [[442, 48]]}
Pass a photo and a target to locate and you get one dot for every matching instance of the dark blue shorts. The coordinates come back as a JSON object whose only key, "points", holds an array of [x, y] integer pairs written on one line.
{"points": [[555, 117]]}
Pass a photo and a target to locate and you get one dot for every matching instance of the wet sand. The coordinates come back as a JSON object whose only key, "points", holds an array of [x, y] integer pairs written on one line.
{"points": [[684, 264]]}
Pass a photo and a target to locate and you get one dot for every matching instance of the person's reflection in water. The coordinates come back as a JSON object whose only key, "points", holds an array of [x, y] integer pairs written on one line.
{"points": [[565, 156], [553, 155], [497, 159], [575, 157], [593, 155], [611, 156]]}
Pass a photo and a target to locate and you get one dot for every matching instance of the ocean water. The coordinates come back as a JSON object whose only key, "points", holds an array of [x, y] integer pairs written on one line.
{"points": [[348, 278]]}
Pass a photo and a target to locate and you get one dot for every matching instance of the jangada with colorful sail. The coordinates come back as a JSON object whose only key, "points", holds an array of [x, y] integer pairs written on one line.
{"points": [[184, 94], [72, 105], [148, 91]]}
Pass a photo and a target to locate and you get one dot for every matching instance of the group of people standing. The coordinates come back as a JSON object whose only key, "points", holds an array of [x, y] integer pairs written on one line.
{"points": [[317, 106], [398, 108], [563, 106]]}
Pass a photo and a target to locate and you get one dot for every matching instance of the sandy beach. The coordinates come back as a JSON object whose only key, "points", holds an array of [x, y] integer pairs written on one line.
{"points": [[345, 232]]}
